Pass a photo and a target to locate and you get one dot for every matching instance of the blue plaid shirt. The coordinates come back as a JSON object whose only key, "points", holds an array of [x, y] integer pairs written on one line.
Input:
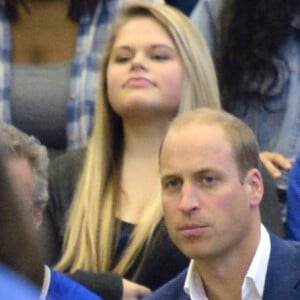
{"points": [[85, 70]]}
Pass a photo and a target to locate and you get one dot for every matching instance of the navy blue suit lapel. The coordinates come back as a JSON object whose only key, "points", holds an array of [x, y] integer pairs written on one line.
{"points": [[183, 296], [283, 274]]}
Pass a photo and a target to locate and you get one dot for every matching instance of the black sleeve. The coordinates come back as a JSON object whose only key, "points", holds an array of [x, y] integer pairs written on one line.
{"points": [[162, 260], [107, 285], [63, 175]]}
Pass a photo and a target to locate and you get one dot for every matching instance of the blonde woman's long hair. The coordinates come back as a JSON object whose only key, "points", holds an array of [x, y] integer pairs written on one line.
{"points": [[91, 224]]}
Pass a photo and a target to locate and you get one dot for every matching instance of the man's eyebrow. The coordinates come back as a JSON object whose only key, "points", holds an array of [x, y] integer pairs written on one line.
{"points": [[169, 176], [205, 170]]}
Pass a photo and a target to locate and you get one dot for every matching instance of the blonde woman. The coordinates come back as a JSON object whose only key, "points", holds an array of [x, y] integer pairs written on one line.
{"points": [[155, 66]]}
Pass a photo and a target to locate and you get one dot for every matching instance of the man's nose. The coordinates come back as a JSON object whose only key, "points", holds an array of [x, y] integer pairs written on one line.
{"points": [[190, 200]]}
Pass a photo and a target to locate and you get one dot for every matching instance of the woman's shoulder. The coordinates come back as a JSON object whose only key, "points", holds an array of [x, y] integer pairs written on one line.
{"points": [[65, 169], [70, 159]]}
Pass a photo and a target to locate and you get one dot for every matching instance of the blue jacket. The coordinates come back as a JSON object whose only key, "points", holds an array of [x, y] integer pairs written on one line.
{"points": [[14, 286], [282, 279], [293, 203], [63, 288]]}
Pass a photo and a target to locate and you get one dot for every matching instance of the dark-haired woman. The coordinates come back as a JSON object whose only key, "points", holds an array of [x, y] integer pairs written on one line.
{"points": [[256, 46]]}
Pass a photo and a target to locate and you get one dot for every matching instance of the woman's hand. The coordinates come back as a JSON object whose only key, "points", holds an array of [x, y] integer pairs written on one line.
{"points": [[134, 291], [275, 163]]}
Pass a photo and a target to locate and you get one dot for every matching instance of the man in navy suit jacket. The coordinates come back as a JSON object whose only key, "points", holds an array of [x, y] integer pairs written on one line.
{"points": [[211, 191]]}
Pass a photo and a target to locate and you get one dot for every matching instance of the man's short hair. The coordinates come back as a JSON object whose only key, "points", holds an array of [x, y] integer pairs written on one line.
{"points": [[240, 137], [16, 144]]}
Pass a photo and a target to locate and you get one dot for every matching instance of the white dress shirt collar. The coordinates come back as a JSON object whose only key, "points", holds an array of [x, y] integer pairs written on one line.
{"points": [[253, 285], [46, 283], [254, 282]]}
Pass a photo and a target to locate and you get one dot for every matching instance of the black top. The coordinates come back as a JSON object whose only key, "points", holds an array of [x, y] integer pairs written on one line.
{"points": [[122, 240], [185, 6]]}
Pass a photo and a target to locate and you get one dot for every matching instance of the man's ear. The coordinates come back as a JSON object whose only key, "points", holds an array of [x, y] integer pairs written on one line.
{"points": [[254, 187], [39, 212]]}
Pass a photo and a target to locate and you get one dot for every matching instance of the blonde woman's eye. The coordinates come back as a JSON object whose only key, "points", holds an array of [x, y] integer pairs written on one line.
{"points": [[160, 57], [122, 59]]}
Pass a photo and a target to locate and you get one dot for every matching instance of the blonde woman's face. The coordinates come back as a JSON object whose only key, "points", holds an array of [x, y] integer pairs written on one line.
{"points": [[145, 73]]}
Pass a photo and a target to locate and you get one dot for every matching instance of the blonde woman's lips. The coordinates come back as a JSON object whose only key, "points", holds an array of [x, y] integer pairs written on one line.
{"points": [[138, 82]]}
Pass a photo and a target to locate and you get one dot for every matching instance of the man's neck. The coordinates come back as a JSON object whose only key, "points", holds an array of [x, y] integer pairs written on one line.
{"points": [[222, 283], [223, 277]]}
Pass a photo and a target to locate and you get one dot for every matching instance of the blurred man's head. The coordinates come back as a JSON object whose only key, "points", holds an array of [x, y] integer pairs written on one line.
{"points": [[27, 165], [20, 250]]}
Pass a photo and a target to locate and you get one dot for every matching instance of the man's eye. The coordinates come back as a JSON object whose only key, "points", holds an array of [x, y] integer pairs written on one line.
{"points": [[171, 185], [208, 180]]}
